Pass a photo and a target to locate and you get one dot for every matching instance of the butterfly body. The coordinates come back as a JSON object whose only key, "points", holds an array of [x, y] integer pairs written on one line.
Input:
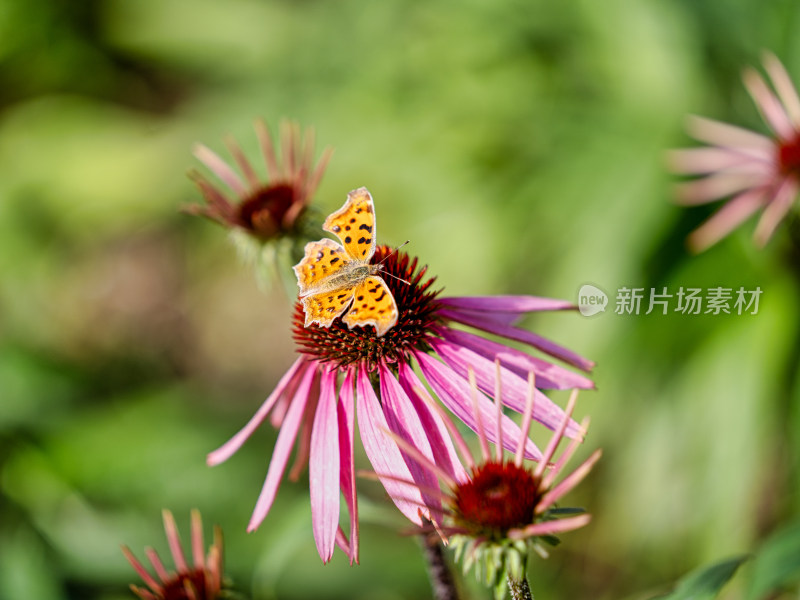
{"points": [[334, 278]]}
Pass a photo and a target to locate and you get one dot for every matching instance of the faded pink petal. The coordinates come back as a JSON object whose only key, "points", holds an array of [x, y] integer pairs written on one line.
{"points": [[454, 393], [548, 375], [514, 388], [784, 86], [696, 161], [231, 446], [323, 469], [521, 335], [726, 219], [283, 446], [382, 451], [730, 136], [770, 107], [776, 210], [347, 474], [714, 187]]}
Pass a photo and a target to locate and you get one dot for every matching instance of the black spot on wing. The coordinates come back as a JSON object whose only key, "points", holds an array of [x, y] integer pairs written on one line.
{"points": [[348, 239], [365, 227], [334, 260]]}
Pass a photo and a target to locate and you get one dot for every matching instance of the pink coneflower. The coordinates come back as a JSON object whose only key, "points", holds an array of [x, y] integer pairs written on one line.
{"points": [[265, 210], [200, 581], [339, 370], [755, 170], [502, 510]]}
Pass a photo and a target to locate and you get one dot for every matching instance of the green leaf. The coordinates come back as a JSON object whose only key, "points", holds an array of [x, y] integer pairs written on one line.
{"points": [[705, 583], [777, 563]]}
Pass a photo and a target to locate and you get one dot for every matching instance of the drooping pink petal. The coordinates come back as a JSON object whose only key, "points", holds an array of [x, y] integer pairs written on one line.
{"points": [[716, 186], [515, 389], [454, 392], [323, 468], [784, 86], [521, 335], [441, 444], [382, 451], [347, 474], [550, 527], [242, 162], [727, 218], [514, 304], [220, 169], [770, 107], [403, 420], [776, 210], [730, 136], [231, 446], [343, 542], [695, 161], [283, 446], [548, 375]]}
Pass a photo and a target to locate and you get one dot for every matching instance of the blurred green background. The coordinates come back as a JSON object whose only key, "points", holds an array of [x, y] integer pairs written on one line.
{"points": [[519, 145]]}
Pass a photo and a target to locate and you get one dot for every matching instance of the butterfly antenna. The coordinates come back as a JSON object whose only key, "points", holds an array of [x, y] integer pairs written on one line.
{"points": [[390, 254]]}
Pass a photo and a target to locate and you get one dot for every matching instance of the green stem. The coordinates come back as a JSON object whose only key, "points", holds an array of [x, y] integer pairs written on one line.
{"points": [[519, 588]]}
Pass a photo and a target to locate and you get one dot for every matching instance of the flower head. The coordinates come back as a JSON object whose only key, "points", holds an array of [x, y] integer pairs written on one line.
{"points": [[267, 211], [201, 581], [500, 509], [340, 370], [754, 170]]}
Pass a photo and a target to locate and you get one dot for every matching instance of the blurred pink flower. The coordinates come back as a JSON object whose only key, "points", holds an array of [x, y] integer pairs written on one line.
{"points": [[201, 581], [264, 209], [313, 410], [756, 171]]}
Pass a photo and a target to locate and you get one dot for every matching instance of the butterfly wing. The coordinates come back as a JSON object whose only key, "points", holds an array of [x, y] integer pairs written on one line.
{"points": [[374, 305], [325, 307], [354, 225], [322, 259]]}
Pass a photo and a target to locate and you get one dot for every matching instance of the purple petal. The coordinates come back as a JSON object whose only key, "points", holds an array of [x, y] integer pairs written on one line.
{"points": [[550, 527], [323, 469], [283, 446], [347, 473], [289, 379], [382, 451], [521, 335], [514, 388], [455, 394], [405, 422], [514, 304], [441, 444], [548, 375]]}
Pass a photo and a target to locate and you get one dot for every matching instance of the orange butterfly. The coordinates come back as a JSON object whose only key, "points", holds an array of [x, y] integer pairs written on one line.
{"points": [[332, 277]]}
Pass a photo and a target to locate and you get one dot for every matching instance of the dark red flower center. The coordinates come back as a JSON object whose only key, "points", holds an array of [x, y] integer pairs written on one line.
{"points": [[789, 156], [498, 497], [264, 213], [416, 305], [175, 588]]}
